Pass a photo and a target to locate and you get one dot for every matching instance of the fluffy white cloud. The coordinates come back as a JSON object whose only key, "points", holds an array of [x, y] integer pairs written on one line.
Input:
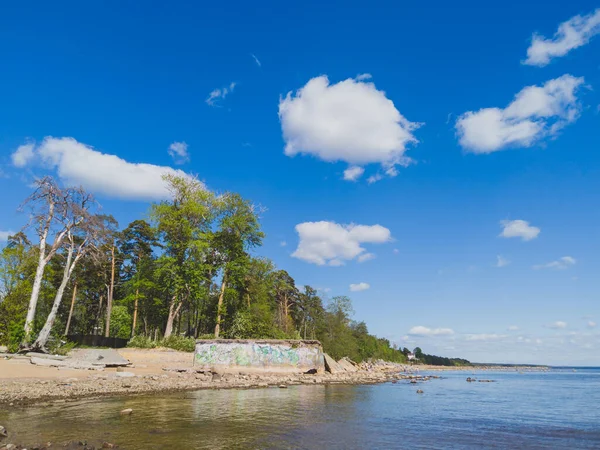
{"points": [[573, 33], [560, 264], [332, 243], [80, 164], [359, 287], [23, 155], [513, 328], [5, 234], [348, 121], [591, 324], [353, 173], [535, 113], [558, 325], [215, 97], [424, 331], [179, 152], [520, 229], [501, 261], [484, 337]]}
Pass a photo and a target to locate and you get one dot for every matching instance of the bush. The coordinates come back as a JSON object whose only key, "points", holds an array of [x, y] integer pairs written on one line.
{"points": [[141, 342], [16, 334], [120, 322], [180, 343], [58, 347]]}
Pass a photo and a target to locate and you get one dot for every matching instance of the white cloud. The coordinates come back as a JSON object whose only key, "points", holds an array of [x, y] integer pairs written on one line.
{"points": [[374, 178], [23, 155], [359, 287], [558, 325], [484, 337], [215, 97], [519, 228], [573, 33], [396, 251], [349, 121], [591, 324], [560, 264], [513, 328], [80, 164], [366, 257], [5, 234], [353, 173], [283, 243], [179, 152], [256, 60], [501, 261], [535, 113], [424, 331], [331, 243], [364, 76]]}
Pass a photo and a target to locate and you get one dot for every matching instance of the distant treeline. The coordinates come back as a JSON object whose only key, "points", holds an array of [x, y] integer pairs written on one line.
{"points": [[434, 360]]}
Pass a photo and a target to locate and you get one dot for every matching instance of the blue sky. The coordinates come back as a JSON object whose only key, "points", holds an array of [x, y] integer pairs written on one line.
{"points": [[459, 129]]}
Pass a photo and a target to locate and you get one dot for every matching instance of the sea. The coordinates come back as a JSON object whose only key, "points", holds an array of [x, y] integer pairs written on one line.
{"points": [[555, 409]]}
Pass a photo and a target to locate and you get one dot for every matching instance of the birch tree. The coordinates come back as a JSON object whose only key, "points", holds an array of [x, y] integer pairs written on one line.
{"points": [[51, 215], [80, 241]]}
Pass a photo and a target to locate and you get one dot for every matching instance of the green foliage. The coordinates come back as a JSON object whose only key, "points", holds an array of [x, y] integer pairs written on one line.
{"points": [[58, 347], [434, 360], [16, 333], [141, 342], [179, 343], [120, 322], [255, 323], [188, 269]]}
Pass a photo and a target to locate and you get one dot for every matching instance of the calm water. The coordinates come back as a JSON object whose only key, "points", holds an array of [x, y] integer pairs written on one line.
{"points": [[559, 409]]}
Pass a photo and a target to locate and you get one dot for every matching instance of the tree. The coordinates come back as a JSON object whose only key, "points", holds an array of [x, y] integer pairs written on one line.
{"points": [[51, 213], [184, 225], [137, 245], [238, 232], [82, 239]]}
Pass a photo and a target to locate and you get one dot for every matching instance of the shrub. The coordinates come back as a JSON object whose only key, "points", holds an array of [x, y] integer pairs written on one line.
{"points": [[16, 334], [141, 342], [120, 322], [58, 347], [183, 344]]}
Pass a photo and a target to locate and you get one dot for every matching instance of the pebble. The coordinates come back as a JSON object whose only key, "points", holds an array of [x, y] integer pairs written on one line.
{"points": [[127, 412]]}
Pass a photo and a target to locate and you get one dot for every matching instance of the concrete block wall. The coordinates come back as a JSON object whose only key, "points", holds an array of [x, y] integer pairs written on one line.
{"points": [[261, 356]]}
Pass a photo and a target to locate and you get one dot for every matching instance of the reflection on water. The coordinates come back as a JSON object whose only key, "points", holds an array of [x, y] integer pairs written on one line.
{"points": [[531, 411]]}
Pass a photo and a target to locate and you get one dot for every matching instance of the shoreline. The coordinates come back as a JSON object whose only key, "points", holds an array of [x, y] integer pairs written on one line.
{"points": [[163, 371]]}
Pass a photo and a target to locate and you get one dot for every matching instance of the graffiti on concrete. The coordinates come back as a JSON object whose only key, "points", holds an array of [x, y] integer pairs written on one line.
{"points": [[259, 355]]}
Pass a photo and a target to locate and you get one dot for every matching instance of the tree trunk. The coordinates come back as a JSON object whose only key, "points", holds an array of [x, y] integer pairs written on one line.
{"points": [[220, 304], [35, 291], [109, 303], [173, 311], [42, 339], [71, 310], [135, 309]]}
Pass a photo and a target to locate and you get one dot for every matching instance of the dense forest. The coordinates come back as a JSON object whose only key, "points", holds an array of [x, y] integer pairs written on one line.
{"points": [[190, 270]]}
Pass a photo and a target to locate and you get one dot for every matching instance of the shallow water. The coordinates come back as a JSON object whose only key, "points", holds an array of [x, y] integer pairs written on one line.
{"points": [[558, 409]]}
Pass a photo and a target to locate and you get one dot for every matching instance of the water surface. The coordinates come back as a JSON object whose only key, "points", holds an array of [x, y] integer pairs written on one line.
{"points": [[558, 409]]}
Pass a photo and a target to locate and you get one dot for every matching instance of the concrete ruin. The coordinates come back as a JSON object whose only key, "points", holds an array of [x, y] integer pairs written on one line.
{"points": [[259, 356]]}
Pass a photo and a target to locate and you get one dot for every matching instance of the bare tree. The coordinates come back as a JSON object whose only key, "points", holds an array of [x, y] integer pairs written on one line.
{"points": [[81, 241], [50, 215]]}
